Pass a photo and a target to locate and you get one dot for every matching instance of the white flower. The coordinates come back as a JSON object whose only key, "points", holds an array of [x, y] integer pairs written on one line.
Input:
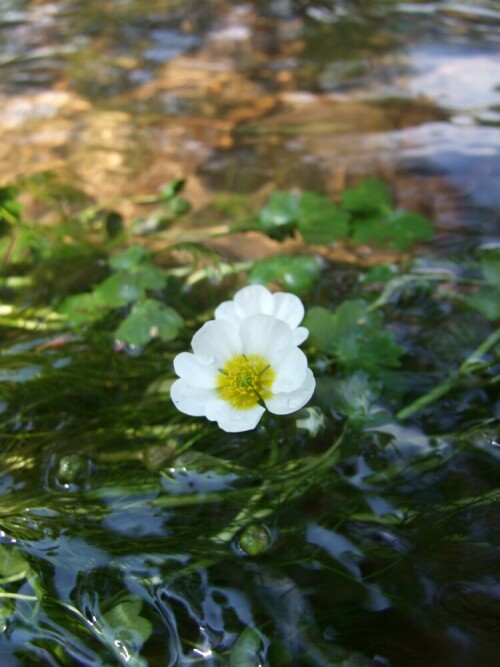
{"points": [[255, 299], [238, 368]]}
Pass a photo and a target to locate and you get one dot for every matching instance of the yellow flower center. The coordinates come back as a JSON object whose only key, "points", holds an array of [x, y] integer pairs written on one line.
{"points": [[245, 380]]}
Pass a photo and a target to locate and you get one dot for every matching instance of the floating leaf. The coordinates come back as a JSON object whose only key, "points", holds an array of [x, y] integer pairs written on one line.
{"points": [[490, 264], [295, 274], [129, 258], [319, 322], [486, 301], [368, 197], [397, 229], [279, 217], [127, 286], [83, 308], [149, 319], [119, 289], [354, 335], [320, 221]]}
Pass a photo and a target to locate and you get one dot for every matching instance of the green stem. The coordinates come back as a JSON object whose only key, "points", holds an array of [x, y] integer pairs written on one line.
{"points": [[302, 479], [473, 363]]}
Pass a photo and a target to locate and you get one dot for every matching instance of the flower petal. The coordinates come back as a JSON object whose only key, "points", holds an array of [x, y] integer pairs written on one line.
{"points": [[264, 335], [216, 342], [289, 308], [189, 367], [290, 366], [231, 420], [253, 299], [227, 311], [287, 402], [189, 399], [299, 335]]}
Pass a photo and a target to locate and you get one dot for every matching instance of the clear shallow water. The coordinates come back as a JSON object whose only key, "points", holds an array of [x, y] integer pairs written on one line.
{"points": [[113, 507], [237, 96]]}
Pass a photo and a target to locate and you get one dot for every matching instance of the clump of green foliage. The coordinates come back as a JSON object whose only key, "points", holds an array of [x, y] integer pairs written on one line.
{"points": [[134, 535]]}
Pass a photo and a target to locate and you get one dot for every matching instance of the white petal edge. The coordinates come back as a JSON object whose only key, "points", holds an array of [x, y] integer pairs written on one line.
{"points": [[287, 402], [289, 308], [190, 368], [252, 300], [227, 311], [231, 420], [299, 335], [290, 366], [216, 342], [264, 335], [191, 400]]}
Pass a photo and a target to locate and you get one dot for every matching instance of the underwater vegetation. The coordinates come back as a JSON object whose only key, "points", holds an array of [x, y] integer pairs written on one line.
{"points": [[339, 506]]}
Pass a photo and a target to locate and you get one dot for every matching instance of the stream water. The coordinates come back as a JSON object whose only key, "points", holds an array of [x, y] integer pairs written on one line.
{"points": [[111, 514]]}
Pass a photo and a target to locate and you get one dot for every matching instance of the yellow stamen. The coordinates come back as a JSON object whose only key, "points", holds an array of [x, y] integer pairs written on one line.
{"points": [[245, 380]]}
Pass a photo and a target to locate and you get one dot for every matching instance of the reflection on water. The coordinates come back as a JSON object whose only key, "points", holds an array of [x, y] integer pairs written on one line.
{"points": [[235, 96]]}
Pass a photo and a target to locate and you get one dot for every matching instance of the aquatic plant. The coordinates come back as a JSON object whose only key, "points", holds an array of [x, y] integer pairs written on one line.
{"points": [[133, 534], [246, 360]]}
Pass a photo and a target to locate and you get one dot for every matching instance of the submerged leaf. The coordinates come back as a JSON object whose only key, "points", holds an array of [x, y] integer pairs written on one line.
{"points": [[12, 563], [125, 631], [245, 652]]}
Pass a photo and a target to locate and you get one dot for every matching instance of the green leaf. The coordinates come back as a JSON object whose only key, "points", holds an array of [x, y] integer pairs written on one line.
{"points": [[490, 264], [246, 650], [149, 319], [129, 258], [124, 627], [368, 197], [319, 321], [114, 224], [127, 286], [12, 563], [320, 221], [398, 229], [279, 217], [179, 206], [486, 301], [172, 189], [356, 395], [83, 308], [119, 289], [355, 336], [10, 208], [149, 276], [295, 274]]}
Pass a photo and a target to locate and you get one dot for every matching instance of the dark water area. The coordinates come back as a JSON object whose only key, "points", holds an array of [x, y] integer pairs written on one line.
{"points": [[130, 536]]}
